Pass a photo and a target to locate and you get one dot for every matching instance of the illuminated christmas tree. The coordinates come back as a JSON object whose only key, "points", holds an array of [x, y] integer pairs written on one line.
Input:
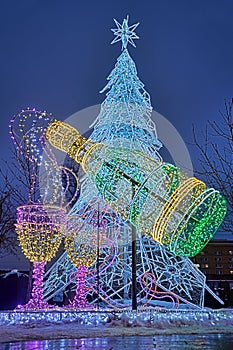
{"points": [[125, 116]]}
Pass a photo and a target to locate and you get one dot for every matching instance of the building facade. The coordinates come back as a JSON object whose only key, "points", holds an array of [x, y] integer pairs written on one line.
{"points": [[216, 262]]}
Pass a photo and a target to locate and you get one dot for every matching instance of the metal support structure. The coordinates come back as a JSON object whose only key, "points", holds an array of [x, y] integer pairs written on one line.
{"points": [[134, 269], [98, 256]]}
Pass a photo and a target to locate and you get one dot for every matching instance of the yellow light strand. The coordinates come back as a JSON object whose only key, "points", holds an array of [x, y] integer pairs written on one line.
{"points": [[171, 206]]}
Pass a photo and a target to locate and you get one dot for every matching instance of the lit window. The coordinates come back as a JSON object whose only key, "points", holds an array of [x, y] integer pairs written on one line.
{"points": [[218, 259], [231, 272], [231, 252], [220, 266], [218, 252], [204, 266], [204, 259]]}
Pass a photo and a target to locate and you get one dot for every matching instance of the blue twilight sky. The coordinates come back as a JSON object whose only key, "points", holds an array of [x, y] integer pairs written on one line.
{"points": [[55, 55]]}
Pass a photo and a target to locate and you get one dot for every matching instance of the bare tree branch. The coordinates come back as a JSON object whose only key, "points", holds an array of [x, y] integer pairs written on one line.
{"points": [[16, 183], [216, 158]]}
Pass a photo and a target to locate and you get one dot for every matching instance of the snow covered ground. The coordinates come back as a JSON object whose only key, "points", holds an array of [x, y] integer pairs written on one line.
{"points": [[19, 326]]}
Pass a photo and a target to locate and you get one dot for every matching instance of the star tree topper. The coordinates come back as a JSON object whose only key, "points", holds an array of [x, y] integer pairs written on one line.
{"points": [[125, 33]]}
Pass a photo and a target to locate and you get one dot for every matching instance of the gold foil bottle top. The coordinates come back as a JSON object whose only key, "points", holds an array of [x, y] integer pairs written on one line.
{"points": [[67, 139]]}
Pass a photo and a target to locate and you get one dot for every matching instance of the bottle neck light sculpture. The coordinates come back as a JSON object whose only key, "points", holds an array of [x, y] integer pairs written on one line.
{"points": [[179, 212]]}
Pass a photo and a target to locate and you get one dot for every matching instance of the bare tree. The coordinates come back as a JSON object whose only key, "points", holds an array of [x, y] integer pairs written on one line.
{"points": [[14, 188], [216, 158], [17, 181], [8, 239]]}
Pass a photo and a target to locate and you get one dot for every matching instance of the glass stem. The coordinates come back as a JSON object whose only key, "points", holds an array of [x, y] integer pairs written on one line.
{"points": [[37, 288], [80, 300]]}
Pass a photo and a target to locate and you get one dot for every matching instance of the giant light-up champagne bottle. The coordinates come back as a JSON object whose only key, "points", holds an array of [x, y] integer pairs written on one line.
{"points": [[177, 211]]}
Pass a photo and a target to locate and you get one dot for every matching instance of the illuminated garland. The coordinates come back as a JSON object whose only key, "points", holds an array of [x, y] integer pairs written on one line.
{"points": [[128, 181]]}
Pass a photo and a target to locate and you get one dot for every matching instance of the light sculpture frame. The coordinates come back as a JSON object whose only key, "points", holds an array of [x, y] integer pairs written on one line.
{"points": [[42, 222], [125, 177], [125, 121]]}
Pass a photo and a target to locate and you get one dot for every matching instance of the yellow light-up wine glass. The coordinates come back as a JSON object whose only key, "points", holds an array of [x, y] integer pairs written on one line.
{"points": [[40, 229], [82, 254]]}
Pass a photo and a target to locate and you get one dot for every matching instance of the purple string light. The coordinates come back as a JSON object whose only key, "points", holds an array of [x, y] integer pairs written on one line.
{"points": [[80, 300]]}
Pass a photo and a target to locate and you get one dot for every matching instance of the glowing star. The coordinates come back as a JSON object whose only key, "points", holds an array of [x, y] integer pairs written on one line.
{"points": [[125, 33]]}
